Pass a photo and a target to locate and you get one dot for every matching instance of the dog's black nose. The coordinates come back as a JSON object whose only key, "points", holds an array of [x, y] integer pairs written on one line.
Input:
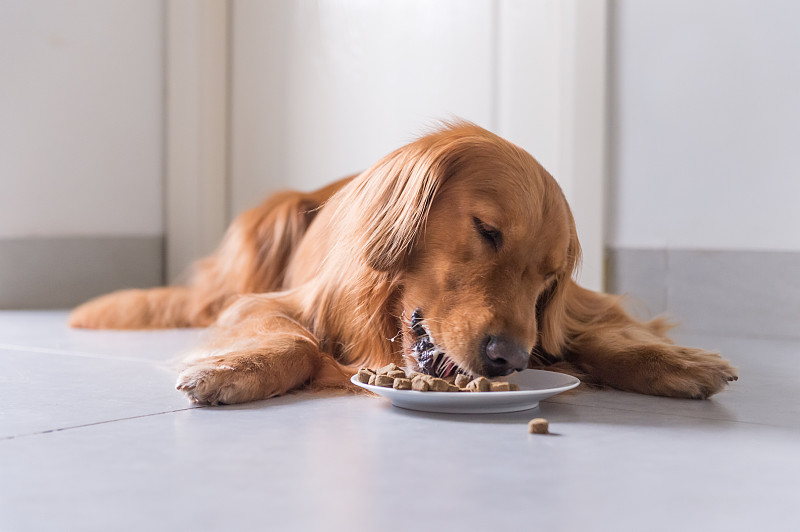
{"points": [[502, 356]]}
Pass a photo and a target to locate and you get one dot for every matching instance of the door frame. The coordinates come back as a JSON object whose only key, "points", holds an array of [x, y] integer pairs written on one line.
{"points": [[560, 85], [196, 129]]}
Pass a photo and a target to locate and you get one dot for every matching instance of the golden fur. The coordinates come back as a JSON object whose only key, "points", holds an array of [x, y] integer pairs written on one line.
{"points": [[461, 224]]}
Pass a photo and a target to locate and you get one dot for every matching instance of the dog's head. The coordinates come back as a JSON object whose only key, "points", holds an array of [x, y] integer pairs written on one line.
{"points": [[481, 242]]}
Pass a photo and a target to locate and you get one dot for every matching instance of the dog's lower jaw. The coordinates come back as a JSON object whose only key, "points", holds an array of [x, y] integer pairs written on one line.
{"points": [[428, 358]]}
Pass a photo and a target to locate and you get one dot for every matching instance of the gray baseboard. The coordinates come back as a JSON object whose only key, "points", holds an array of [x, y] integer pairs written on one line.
{"points": [[63, 272], [751, 293]]}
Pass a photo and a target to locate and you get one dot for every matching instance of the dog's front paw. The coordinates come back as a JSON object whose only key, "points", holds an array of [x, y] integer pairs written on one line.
{"points": [[696, 374], [211, 384]]}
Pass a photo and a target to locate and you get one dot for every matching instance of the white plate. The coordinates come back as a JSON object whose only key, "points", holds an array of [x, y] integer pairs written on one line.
{"points": [[534, 385]]}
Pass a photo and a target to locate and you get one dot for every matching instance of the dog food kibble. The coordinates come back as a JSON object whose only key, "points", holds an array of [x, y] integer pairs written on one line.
{"points": [[387, 368], [397, 374], [402, 384], [439, 385], [420, 385], [384, 380], [481, 384], [364, 375], [538, 425], [461, 380], [390, 376]]}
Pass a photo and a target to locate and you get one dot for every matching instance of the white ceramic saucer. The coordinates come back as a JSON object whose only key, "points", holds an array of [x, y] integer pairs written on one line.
{"points": [[534, 385]]}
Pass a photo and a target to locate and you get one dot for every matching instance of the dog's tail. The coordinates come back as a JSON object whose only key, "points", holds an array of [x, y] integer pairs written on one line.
{"points": [[137, 309]]}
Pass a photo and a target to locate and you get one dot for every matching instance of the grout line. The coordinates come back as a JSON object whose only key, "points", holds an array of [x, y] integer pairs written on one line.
{"points": [[52, 351], [669, 414], [98, 423]]}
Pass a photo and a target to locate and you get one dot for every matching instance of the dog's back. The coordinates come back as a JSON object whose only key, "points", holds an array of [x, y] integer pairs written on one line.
{"points": [[253, 257]]}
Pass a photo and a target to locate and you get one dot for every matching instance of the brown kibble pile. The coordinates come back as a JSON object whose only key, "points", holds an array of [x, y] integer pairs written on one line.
{"points": [[391, 376]]}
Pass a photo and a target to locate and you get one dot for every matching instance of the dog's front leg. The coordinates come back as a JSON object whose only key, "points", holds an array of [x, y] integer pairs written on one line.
{"points": [[258, 351], [616, 350]]}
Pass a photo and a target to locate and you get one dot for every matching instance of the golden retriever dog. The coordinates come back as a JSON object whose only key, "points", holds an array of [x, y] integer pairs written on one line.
{"points": [[452, 254]]}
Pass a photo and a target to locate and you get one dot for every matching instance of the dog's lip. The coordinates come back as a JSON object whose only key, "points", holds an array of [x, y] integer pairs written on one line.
{"points": [[430, 358]]}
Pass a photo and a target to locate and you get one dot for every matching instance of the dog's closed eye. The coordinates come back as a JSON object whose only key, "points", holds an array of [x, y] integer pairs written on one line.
{"points": [[491, 235]]}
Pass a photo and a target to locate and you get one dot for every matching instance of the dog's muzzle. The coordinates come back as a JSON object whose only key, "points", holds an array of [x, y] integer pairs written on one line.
{"points": [[500, 355]]}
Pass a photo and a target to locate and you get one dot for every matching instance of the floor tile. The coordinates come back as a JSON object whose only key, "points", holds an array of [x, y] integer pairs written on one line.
{"points": [[767, 392], [93, 436], [48, 331], [43, 392], [355, 463]]}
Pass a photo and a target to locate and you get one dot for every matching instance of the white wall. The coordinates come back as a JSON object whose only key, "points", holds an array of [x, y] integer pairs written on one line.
{"points": [[325, 89], [706, 124], [81, 92]]}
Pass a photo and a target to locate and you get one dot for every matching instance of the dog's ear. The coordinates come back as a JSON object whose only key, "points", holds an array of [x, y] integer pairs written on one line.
{"points": [[388, 204], [553, 306]]}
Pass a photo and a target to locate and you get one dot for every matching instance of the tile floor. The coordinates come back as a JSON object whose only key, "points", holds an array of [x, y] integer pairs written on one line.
{"points": [[94, 437]]}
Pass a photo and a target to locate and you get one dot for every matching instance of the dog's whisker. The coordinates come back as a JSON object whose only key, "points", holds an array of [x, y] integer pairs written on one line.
{"points": [[395, 337]]}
